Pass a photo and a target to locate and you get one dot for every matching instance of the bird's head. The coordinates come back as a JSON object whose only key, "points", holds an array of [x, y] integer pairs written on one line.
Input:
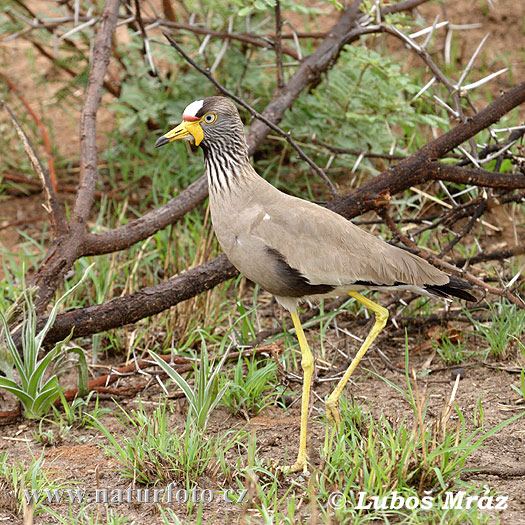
{"points": [[205, 122]]}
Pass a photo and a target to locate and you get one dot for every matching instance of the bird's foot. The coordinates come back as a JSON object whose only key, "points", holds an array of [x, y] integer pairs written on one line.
{"points": [[300, 465], [332, 412]]}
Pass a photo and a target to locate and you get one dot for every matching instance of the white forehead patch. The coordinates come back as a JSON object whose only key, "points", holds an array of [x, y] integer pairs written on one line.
{"points": [[193, 108]]}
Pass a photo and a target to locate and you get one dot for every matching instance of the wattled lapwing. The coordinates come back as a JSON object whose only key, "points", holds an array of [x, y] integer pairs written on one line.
{"points": [[293, 248]]}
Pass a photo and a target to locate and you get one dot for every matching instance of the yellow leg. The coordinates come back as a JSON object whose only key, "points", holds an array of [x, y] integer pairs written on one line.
{"points": [[307, 363], [332, 403]]}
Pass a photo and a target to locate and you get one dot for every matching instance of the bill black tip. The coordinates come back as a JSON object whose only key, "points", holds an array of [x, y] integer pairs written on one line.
{"points": [[161, 141]]}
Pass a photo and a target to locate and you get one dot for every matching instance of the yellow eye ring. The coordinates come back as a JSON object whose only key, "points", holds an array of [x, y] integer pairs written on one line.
{"points": [[209, 118]]}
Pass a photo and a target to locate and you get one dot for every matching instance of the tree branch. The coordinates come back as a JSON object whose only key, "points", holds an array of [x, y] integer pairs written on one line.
{"points": [[413, 170], [88, 122], [53, 206], [142, 303], [67, 248], [478, 177]]}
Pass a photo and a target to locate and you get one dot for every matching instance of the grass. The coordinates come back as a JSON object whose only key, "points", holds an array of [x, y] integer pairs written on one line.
{"points": [[382, 467], [35, 391], [22, 481], [86, 516], [452, 350], [505, 329], [152, 453], [251, 386], [205, 395]]}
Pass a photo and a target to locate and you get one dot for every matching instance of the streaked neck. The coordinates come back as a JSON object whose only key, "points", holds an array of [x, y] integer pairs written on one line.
{"points": [[227, 164]]}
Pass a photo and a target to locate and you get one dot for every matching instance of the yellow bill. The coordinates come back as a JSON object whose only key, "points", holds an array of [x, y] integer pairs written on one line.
{"points": [[183, 130]]}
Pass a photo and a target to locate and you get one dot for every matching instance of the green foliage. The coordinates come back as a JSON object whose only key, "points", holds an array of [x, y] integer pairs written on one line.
{"points": [[28, 481], [153, 452], [507, 327], [452, 351], [205, 395], [144, 97], [251, 6], [90, 516], [521, 388], [78, 412], [253, 386], [366, 105], [35, 394]]}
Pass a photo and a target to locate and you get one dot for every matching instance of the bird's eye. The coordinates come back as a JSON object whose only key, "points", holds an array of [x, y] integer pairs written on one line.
{"points": [[210, 118]]}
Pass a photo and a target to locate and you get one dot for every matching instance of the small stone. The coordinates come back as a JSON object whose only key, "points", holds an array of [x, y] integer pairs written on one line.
{"points": [[458, 372]]}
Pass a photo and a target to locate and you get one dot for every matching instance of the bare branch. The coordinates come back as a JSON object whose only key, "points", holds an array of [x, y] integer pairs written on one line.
{"points": [[412, 170], [436, 261], [142, 303], [497, 255], [278, 44], [53, 206], [88, 123], [67, 248], [407, 5], [478, 177]]}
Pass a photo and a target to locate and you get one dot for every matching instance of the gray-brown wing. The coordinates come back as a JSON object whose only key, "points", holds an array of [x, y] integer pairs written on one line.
{"points": [[329, 250]]}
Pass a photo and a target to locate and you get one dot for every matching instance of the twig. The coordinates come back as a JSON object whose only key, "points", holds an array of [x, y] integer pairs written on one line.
{"points": [[145, 41], [53, 207], [183, 364], [111, 88], [88, 122], [255, 114], [357, 153], [500, 472], [41, 127], [497, 255], [254, 40], [438, 74], [415, 170], [478, 212], [407, 5], [278, 44]]}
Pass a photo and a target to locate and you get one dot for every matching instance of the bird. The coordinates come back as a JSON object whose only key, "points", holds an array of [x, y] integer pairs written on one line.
{"points": [[295, 249]]}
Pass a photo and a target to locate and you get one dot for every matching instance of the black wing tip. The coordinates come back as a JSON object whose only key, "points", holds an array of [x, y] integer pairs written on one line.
{"points": [[455, 288]]}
